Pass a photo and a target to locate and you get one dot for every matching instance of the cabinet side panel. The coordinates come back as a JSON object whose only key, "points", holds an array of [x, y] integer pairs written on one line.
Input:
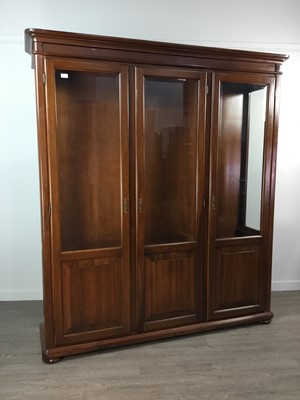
{"points": [[45, 201]]}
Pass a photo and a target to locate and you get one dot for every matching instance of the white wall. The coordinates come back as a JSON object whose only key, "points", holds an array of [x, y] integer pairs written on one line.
{"points": [[267, 25], [286, 252]]}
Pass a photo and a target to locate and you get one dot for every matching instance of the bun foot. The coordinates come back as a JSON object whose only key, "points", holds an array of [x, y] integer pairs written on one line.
{"points": [[265, 322], [49, 360]]}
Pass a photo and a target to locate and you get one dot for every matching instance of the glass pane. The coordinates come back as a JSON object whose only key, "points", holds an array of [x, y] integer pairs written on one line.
{"points": [[170, 159], [257, 110], [240, 159], [88, 142]]}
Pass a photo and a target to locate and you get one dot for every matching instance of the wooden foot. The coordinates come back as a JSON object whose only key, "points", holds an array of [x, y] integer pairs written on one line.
{"points": [[48, 360], [265, 322], [45, 356]]}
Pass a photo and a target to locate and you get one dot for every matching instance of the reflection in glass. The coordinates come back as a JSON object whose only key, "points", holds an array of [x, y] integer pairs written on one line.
{"points": [[240, 159], [257, 109], [170, 159], [88, 142]]}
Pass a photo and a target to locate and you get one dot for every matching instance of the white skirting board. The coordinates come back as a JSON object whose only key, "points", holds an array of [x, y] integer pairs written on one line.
{"points": [[285, 285], [21, 295]]}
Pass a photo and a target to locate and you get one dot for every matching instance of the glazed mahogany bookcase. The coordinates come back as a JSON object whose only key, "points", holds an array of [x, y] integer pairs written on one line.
{"points": [[157, 175]]}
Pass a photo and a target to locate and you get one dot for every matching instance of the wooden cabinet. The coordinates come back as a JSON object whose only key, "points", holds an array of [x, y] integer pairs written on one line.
{"points": [[157, 170]]}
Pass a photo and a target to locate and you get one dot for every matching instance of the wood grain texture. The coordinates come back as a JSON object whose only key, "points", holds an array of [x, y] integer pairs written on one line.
{"points": [[258, 362], [237, 282], [92, 295], [170, 290]]}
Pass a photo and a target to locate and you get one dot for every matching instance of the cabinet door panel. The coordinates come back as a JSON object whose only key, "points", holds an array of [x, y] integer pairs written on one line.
{"points": [[88, 147], [92, 296], [237, 274], [242, 134], [169, 289], [170, 144]]}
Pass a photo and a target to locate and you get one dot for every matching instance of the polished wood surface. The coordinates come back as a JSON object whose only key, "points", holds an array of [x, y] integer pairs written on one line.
{"points": [[143, 151], [237, 279], [95, 47], [170, 289], [92, 298]]}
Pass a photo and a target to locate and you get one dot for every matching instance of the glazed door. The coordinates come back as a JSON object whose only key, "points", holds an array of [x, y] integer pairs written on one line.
{"points": [[242, 135], [170, 163], [87, 133]]}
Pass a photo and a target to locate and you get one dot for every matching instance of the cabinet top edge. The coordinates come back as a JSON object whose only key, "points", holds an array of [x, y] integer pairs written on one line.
{"points": [[33, 35]]}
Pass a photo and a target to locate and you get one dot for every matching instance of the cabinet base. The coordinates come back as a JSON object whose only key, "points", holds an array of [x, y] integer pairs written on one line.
{"points": [[46, 356], [55, 354]]}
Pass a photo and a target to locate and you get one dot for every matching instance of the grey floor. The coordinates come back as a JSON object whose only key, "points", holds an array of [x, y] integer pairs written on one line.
{"points": [[257, 362]]}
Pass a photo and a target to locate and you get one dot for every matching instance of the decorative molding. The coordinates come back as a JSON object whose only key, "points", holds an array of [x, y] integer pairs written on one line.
{"points": [[243, 45], [21, 295], [24, 295], [285, 285]]}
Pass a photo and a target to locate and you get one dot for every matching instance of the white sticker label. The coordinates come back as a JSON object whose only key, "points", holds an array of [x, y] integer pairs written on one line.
{"points": [[64, 75]]}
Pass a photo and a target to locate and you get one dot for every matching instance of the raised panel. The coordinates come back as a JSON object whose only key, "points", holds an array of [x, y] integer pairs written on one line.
{"points": [[237, 281], [93, 297], [169, 289]]}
